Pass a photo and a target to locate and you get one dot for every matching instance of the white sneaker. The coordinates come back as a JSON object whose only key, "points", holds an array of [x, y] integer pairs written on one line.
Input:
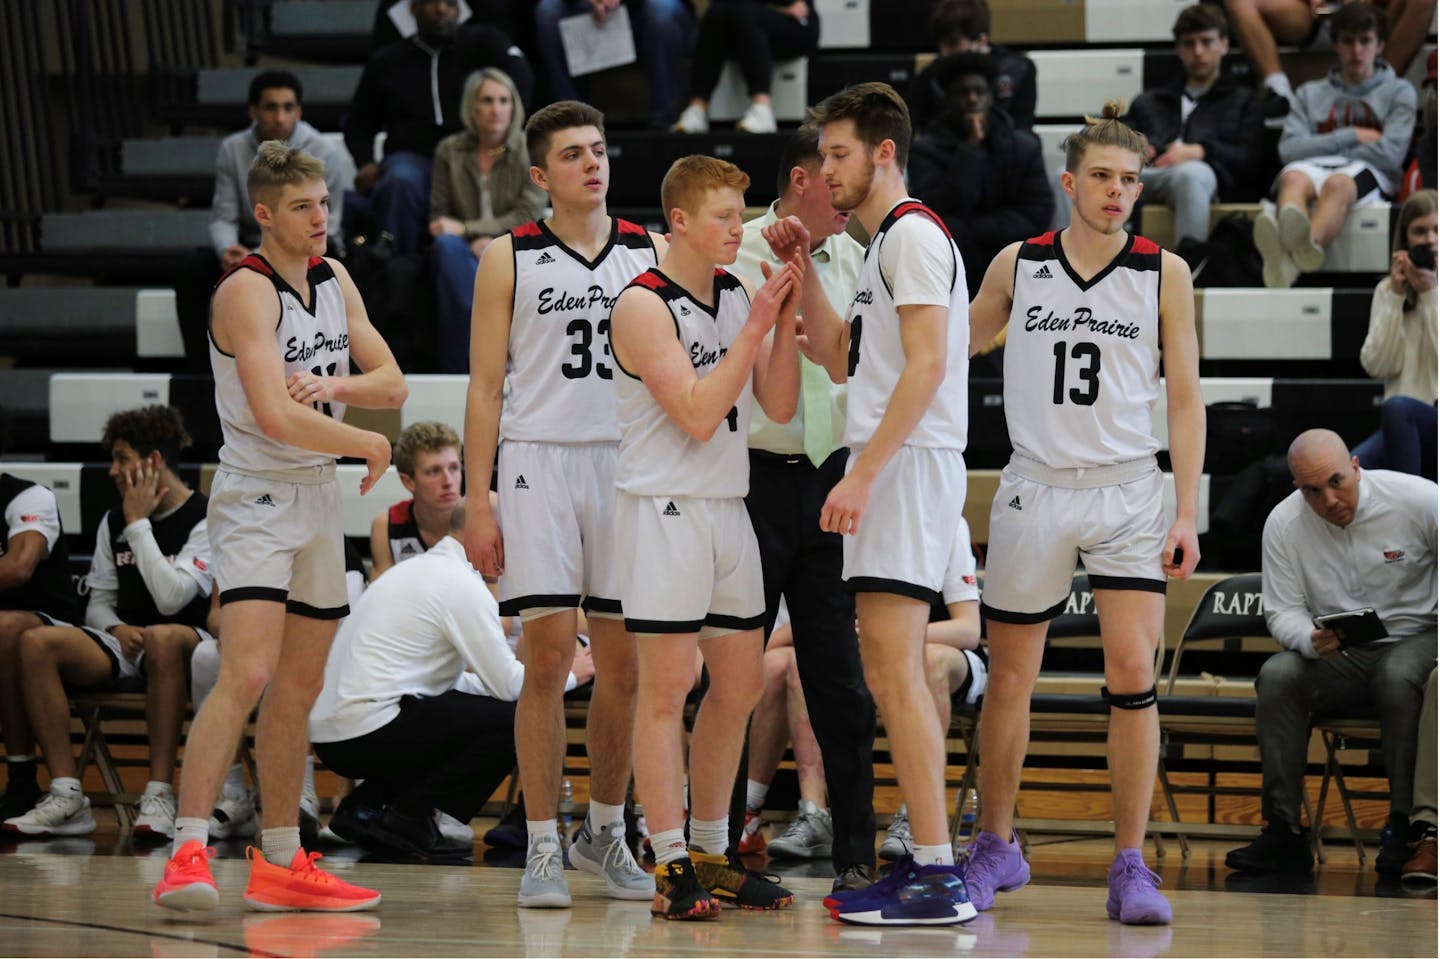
{"points": [[810, 835], [1297, 239], [309, 812], [692, 120], [759, 118], [55, 815], [1280, 270], [234, 814], [898, 842], [452, 829], [157, 816]]}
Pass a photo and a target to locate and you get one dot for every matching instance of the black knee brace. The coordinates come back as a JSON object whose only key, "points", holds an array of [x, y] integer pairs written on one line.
{"points": [[1128, 700]]}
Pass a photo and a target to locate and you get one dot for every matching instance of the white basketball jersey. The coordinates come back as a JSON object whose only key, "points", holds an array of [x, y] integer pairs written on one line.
{"points": [[314, 339], [1082, 358], [877, 357], [657, 457], [560, 368]]}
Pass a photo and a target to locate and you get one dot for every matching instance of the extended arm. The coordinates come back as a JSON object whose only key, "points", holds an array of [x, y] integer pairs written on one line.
{"points": [[1185, 411], [489, 347]]}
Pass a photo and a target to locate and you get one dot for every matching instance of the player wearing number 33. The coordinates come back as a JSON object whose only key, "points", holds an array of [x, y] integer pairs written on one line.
{"points": [[1091, 311], [543, 295]]}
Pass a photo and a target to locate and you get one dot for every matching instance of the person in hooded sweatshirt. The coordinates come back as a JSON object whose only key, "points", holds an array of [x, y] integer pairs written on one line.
{"points": [[1343, 145]]}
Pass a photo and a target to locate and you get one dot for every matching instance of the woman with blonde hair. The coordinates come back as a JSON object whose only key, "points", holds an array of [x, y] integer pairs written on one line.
{"points": [[481, 188], [1400, 347]]}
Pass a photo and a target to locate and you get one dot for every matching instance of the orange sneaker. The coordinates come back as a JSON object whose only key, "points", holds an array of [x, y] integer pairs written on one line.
{"points": [[187, 884], [302, 886]]}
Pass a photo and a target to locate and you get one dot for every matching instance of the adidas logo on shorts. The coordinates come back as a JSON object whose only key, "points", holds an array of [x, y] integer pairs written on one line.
{"points": [[671, 509], [264, 500], [1015, 504], [544, 258], [1042, 274], [520, 482]]}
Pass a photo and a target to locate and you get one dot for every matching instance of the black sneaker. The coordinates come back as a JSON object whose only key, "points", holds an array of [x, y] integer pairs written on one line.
{"points": [[731, 882], [352, 821], [509, 832], [679, 895], [418, 836], [1395, 847], [21, 795], [851, 878], [1277, 849]]}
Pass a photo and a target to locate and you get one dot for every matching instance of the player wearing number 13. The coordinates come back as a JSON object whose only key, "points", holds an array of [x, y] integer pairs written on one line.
{"points": [[1091, 309], [543, 295]]}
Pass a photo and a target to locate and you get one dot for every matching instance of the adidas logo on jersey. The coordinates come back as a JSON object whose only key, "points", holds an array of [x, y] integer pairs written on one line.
{"points": [[684, 310], [520, 482], [264, 500], [671, 509], [544, 258], [1043, 273], [1015, 504]]}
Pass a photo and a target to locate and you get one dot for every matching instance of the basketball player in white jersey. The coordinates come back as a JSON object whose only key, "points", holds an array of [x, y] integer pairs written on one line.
{"points": [[1091, 311], [284, 325], [693, 354], [543, 295], [904, 345]]}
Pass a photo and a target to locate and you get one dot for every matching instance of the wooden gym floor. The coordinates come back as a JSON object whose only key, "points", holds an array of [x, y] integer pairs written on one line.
{"points": [[90, 897]]}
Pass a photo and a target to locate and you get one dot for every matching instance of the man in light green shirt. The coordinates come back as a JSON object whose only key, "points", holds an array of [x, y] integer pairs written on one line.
{"points": [[792, 468]]}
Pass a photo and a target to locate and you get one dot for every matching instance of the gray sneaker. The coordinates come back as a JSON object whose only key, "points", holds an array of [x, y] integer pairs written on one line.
{"points": [[809, 837], [543, 885], [606, 854], [898, 842]]}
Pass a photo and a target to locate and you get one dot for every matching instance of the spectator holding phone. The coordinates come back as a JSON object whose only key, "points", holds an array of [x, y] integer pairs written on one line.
{"points": [[1400, 347], [1346, 539]]}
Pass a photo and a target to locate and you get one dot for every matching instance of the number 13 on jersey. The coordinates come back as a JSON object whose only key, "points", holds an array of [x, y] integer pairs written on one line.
{"points": [[1087, 370]]}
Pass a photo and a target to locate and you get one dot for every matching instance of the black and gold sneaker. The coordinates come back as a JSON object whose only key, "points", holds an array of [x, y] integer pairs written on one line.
{"points": [[680, 895], [732, 883]]}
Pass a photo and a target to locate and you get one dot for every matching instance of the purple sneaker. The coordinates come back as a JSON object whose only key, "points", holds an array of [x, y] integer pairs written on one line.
{"points": [[1135, 892], [992, 865]]}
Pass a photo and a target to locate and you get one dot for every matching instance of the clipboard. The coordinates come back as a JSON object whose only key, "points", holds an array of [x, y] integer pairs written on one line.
{"points": [[1355, 627]]}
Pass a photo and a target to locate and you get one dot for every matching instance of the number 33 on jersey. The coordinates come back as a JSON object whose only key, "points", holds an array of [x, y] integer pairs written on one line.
{"points": [[560, 369]]}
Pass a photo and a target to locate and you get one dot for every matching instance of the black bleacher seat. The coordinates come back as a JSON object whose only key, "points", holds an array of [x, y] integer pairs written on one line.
{"points": [[74, 325], [833, 71], [25, 397], [643, 157], [335, 31]]}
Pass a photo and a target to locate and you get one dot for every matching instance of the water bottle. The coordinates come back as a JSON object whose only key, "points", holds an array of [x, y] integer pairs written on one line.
{"points": [[968, 810]]}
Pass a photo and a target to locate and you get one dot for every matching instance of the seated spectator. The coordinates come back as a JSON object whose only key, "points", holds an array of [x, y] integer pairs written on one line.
{"points": [[427, 457], [963, 26], [754, 33], [276, 98], [35, 590], [410, 90], [396, 674], [394, 21], [1420, 867], [1400, 347], [1203, 133], [664, 33], [971, 165], [1343, 145], [480, 189], [955, 673], [1260, 24], [149, 592], [1346, 539]]}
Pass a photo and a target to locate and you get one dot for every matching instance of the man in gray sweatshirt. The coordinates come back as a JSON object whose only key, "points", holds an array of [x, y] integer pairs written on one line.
{"points": [[275, 108], [1343, 146]]}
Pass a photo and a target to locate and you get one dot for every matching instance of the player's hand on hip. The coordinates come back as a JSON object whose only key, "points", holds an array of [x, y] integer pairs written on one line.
{"points": [[1182, 537], [845, 505], [484, 546], [377, 461]]}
